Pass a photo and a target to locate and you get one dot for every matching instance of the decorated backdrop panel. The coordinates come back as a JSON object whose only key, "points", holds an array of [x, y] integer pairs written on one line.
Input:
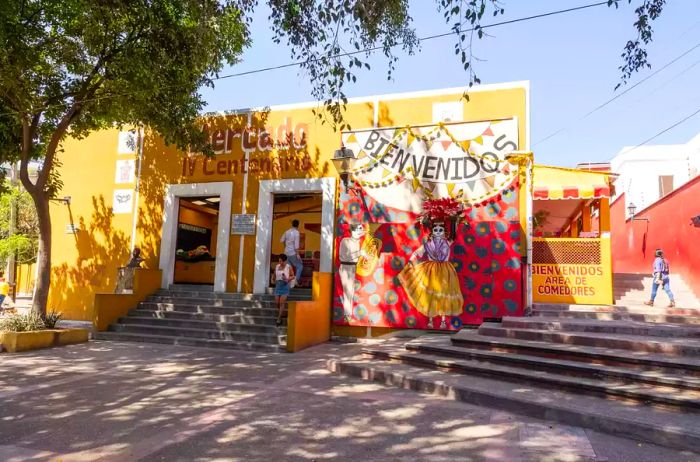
{"points": [[428, 233]]}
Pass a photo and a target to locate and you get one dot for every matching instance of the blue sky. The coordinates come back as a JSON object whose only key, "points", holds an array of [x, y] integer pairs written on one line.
{"points": [[571, 61]]}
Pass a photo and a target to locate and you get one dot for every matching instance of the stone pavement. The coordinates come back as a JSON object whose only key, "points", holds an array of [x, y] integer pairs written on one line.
{"points": [[125, 402]]}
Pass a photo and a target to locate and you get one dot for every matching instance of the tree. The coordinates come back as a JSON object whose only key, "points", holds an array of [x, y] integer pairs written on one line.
{"points": [[68, 67]]}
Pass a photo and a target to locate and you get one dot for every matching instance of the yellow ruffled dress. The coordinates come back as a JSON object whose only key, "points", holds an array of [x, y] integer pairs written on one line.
{"points": [[433, 286]]}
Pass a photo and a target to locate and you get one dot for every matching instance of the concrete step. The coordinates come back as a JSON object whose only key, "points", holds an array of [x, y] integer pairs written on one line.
{"points": [[204, 324], [295, 295], [640, 360], [212, 295], [612, 327], [661, 301], [189, 341], [613, 316], [210, 309], [626, 309], [684, 399], [440, 346], [225, 318], [187, 287], [644, 423], [670, 346], [211, 301], [644, 295], [244, 337]]}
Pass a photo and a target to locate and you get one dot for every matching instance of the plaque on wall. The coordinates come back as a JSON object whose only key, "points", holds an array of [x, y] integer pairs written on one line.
{"points": [[243, 224]]}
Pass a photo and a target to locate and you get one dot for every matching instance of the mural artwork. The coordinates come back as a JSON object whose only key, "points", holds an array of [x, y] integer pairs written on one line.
{"points": [[428, 233]]}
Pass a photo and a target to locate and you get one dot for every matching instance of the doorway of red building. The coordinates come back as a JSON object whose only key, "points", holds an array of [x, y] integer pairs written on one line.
{"points": [[196, 240], [306, 208]]}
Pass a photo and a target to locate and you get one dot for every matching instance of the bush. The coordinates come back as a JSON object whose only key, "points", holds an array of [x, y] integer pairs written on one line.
{"points": [[22, 322], [51, 319]]}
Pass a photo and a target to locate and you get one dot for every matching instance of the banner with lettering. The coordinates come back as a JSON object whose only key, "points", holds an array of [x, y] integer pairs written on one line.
{"points": [[428, 233]]}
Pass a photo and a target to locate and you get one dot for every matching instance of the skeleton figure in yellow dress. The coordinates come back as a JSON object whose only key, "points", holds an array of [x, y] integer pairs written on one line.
{"points": [[432, 285]]}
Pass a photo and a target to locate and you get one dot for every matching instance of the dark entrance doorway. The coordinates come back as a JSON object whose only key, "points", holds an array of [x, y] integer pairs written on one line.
{"points": [[306, 208], [197, 224]]}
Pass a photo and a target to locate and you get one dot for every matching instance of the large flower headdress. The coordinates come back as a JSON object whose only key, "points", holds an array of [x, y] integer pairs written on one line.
{"points": [[443, 209]]}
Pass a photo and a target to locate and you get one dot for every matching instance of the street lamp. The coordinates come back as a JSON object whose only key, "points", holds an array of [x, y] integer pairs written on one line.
{"points": [[632, 210], [344, 160]]}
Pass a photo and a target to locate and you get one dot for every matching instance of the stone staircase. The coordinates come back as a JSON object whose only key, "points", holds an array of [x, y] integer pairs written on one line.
{"points": [[194, 315], [634, 289], [634, 374]]}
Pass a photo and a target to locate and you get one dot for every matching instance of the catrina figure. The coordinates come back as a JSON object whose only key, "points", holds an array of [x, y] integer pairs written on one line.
{"points": [[432, 284]]}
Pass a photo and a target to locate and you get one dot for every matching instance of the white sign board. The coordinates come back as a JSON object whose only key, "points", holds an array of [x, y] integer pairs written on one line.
{"points": [[127, 142], [122, 201], [243, 224], [125, 171]]}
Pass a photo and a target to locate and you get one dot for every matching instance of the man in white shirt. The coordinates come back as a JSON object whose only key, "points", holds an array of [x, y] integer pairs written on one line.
{"points": [[290, 239]]}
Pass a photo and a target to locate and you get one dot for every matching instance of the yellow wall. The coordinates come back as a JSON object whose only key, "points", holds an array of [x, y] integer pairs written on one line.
{"points": [[287, 212], [25, 278], [86, 262]]}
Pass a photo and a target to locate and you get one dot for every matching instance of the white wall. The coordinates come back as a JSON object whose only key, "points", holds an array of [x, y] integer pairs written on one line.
{"points": [[639, 170]]}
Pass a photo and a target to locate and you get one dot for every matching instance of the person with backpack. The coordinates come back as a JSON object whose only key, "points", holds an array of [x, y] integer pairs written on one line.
{"points": [[661, 277]]}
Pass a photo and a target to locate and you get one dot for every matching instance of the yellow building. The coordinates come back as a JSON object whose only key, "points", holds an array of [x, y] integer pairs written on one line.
{"points": [[128, 188]]}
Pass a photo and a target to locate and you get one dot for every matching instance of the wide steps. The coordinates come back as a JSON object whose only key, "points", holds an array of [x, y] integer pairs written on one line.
{"points": [[674, 346], [612, 327], [618, 316], [251, 337], [239, 318], [622, 309], [197, 316], [652, 424], [203, 324], [207, 309], [188, 341], [253, 303], [646, 393], [658, 376], [587, 354]]}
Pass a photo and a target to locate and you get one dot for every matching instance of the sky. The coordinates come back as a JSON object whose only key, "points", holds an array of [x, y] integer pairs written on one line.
{"points": [[571, 61]]}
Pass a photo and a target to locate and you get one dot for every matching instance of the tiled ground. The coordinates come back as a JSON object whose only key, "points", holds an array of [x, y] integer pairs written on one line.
{"points": [[126, 402]]}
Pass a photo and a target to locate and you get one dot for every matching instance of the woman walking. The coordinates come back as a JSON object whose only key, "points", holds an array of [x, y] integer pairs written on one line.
{"points": [[283, 275]]}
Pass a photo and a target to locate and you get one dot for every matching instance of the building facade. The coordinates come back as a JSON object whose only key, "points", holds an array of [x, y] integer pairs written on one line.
{"points": [[218, 220], [648, 173]]}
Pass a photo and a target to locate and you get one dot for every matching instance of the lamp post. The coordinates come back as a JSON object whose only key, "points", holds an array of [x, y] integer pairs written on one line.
{"points": [[344, 160], [632, 210]]}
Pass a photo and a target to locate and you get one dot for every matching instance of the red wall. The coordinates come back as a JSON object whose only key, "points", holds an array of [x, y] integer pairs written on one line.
{"points": [[669, 228]]}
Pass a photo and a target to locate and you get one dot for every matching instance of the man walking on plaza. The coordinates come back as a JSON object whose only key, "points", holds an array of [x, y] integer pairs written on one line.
{"points": [[290, 239], [661, 277]]}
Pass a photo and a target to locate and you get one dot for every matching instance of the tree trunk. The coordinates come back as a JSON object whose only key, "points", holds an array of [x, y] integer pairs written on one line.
{"points": [[43, 261]]}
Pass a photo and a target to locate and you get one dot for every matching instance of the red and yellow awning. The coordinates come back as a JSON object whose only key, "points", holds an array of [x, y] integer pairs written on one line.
{"points": [[557, 183]]}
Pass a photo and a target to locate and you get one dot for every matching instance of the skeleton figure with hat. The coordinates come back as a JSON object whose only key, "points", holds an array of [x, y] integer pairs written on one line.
{"points": [[432, 284]]}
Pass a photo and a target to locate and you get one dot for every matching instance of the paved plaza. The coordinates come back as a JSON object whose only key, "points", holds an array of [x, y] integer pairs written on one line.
{"points": [[113, 401]]}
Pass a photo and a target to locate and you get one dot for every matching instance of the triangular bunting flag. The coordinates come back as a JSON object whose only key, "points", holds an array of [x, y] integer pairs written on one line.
{"points": [[361, 155], [416, 184], [490, 180], [450, 188], [479, 140], [446, 144], [465, 145], [410, 137], [470, 185], [351, 139], [506, 168], [386, 172], [488, 132]]}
